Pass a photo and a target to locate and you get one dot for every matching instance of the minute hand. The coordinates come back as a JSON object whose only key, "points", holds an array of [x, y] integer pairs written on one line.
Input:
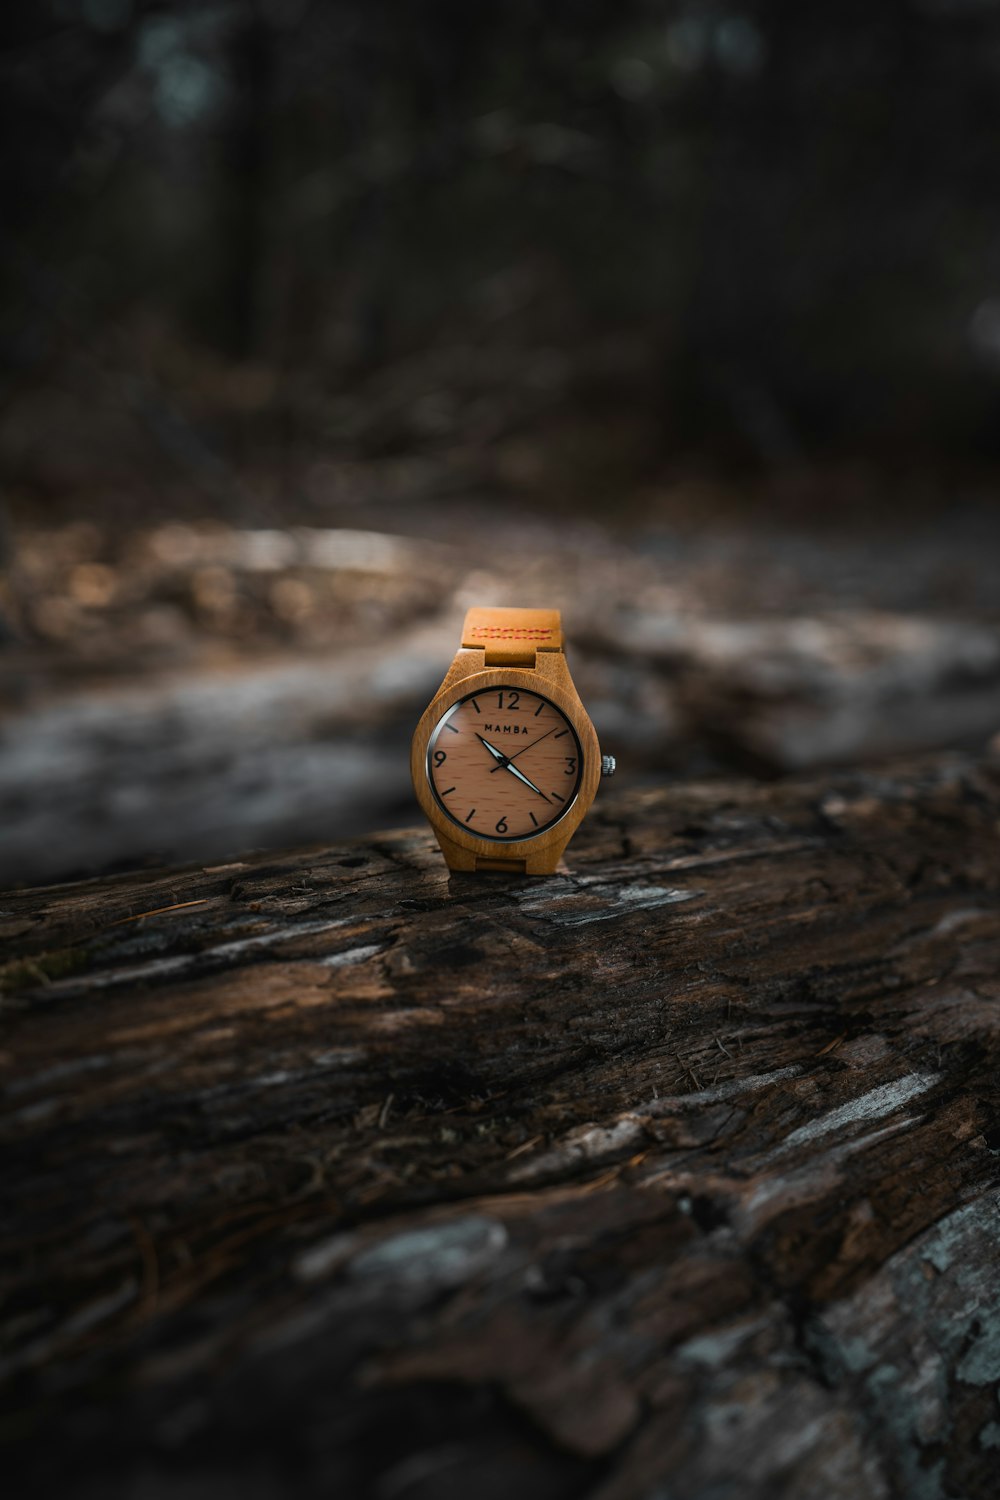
{"points": [[521, 777], [503, 763], [508, 758]]}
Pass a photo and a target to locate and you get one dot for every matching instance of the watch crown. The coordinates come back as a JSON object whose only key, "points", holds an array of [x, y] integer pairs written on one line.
{"points": [[607, 765]]}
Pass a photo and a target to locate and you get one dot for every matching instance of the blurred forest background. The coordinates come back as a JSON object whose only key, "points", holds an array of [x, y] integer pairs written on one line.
{"points": [[323, 319]]}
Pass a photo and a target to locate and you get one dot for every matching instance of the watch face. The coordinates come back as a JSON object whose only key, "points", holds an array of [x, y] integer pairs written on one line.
{"points": [[504, 763]]}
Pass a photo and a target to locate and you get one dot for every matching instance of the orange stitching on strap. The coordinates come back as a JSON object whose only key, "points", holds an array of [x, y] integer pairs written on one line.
{"points": [[509, 631]]}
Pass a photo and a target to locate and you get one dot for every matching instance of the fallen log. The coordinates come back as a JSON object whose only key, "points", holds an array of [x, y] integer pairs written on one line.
{"points": [[182, 692], [677, 1175]]}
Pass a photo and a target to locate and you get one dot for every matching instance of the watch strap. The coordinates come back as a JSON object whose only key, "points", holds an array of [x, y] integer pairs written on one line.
{"points": [[511, 636]]}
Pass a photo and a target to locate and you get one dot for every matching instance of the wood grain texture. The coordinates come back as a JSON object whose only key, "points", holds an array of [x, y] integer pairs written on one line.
{"points": [[673, 1177]]}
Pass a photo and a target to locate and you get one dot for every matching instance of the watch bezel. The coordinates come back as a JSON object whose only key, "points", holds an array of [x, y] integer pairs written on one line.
{"points": [[550, 678], [505, 839]]}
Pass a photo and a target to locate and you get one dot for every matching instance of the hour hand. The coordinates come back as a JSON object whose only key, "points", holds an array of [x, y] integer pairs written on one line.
{"points": [[521, 777], [496, 754]]}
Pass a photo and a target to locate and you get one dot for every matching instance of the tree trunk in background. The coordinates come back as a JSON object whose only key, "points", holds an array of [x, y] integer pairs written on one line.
{"points": [[246, 265], [674, 1176]]}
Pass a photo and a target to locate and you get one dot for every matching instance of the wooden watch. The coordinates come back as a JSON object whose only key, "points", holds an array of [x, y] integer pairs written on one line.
{"points": [[505, 761]]}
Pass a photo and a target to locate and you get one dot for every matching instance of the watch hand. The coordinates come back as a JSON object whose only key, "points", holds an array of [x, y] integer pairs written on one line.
{"points": [[505, 763], [521, 777], [508, 758], [497, 754]]}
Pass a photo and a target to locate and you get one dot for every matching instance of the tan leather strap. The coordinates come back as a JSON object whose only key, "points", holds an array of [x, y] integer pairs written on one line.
{"points": [[509, 636]]}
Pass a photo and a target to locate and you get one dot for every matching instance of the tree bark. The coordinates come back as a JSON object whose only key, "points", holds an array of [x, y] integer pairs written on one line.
{"points": [[675, 1176]]}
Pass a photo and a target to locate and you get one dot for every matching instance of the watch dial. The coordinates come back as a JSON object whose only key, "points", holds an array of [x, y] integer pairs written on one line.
{"points": [[504, 763]]}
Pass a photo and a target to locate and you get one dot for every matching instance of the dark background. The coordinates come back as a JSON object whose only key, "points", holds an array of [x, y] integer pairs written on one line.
{"points": [[323, 320]]}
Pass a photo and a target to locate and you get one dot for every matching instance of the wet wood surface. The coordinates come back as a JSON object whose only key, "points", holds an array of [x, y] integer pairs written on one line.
{"points": [[675, 1176]]}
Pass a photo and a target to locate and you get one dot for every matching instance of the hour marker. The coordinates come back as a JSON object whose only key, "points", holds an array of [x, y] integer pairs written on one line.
{"points": [[447, 790], [533, 818], [561, 733], [469, 818], [539, 708], [558, 798], [455, 731], [478, 711]]}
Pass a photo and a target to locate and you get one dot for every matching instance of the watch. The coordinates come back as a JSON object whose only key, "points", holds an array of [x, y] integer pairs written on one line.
{"points": [[505, 761]]}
